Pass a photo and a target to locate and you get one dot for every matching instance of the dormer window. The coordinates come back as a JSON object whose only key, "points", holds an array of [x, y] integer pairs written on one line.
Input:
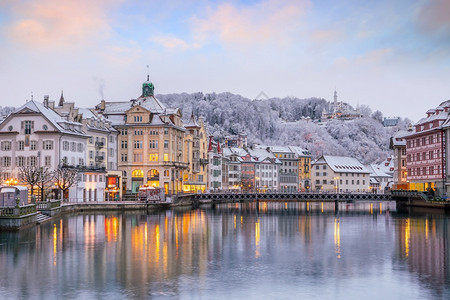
{"points": [[137, 119]]}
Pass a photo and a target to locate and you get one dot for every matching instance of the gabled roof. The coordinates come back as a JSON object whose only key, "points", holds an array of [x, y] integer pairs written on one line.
{"points": [[55, 119], [192, 122], [150, 103], [342, 164], [376, 171]]}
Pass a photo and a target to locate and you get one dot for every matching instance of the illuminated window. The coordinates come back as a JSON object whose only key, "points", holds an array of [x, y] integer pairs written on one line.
{"points": [[153, 157], [166, 157], [137, 173]]}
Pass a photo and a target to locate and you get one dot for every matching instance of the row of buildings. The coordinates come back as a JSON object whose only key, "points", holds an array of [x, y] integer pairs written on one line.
{"points": [[420, 153], [118, 147]]}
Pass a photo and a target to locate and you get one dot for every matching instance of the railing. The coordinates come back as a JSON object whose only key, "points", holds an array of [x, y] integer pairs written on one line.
{"points": [[99, 145], [413, 193], [18, 211], [48, 205]]}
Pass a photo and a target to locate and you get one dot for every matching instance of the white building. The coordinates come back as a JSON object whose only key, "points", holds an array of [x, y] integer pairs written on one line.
{"points": [[35, 135], [267, 168], [339, 174], [379, 181], [215, 165], [288, 170], [231, 168]]}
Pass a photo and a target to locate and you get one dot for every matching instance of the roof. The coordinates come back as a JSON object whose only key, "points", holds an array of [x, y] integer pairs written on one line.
{"points": [[55, 119], [150, 103], [376, 171], [342, 164], [192, 122]]}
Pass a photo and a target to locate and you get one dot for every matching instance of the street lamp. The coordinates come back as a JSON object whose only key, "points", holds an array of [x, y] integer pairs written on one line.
{"points": [[336, 186]]}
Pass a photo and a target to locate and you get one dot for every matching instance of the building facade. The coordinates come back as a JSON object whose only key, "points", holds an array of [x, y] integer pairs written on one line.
{"points": [[425, 151], [150, 141], [339, 174]]}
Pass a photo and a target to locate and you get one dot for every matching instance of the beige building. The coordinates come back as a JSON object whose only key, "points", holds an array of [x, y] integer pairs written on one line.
{"points": [[196, 155], [150, 141], [339, 174]]}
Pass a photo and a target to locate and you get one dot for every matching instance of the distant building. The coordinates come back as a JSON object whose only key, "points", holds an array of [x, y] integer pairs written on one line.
{"points": [[379, 181], [340, 110], [339, 174], [390, 122], [239, 140], [215, 165]]}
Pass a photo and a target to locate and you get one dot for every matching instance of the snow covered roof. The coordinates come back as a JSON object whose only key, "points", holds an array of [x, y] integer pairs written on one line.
{"points": [[342, 164], [376, 171], [299, 151], [262, 154], [55, 119], [149, 102], [192, 122], [399, 138]]}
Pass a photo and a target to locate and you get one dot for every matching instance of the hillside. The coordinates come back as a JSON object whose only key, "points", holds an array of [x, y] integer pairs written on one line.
{"points": [[279, 122]]}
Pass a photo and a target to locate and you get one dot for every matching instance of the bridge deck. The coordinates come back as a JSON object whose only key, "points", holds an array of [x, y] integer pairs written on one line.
{"points": [[323, 197]]}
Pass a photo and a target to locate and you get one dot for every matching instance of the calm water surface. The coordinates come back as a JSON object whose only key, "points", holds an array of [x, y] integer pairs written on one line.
{"points": [[234, 251]]}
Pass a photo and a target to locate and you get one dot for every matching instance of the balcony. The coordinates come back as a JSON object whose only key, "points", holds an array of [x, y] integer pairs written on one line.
{"points": [[99, 158], [175, 164], [203, 161], [99, 145]]}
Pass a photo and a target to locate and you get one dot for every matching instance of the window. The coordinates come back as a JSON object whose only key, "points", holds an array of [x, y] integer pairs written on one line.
{"points": [[47, 145], [48, 161], [31, 161], [154, 132], [73, 146], [20, 161], [27, 126], [81, 162], [138, 132], [124, 157], [6, 146], [137, 144], [324, 167], [80, 147], [324, 173], [137, 157], [317, 167], [20, 145], [153, 157], [33, 145], [123, 131], [166, 131], [66, 146], [137, 119], [166, 144], [153, 144], [166, 157], [324, 181], [6, 161], [403, 151], [91, 154], [124, 144]]}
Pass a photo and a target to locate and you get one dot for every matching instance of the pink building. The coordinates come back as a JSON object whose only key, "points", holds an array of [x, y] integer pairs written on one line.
{"points": [[425, 148]]}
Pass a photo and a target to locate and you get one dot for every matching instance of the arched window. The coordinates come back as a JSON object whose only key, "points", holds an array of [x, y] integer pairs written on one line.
{"points": [[137, 174]]}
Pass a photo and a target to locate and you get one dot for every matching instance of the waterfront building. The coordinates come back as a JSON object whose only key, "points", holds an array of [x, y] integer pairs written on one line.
{"points": [[425, 151], [267, 168], [231, 167], [289, 168], [379, 181], [36, 136], [196, 155], [101, 148], [398, 145], [150, 141], [215, 165], [339, 174], [304, 167]]}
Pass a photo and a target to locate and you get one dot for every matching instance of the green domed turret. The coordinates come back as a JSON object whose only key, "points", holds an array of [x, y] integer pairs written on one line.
{"points": [[148, 88]]}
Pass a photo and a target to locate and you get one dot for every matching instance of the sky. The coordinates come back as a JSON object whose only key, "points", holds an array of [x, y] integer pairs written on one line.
{"points": [[391, 55]]}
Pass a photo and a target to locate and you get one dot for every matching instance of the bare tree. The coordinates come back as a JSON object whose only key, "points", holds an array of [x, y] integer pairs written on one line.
{"points": [[30, 176], [45, 178], [65, 177]]}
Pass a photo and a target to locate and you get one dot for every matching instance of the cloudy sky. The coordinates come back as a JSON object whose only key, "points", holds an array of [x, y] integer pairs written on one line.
{"points": [[391, 55]]}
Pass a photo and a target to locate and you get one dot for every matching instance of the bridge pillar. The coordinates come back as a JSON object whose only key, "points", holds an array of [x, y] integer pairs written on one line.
{"points": [[336, 206]]}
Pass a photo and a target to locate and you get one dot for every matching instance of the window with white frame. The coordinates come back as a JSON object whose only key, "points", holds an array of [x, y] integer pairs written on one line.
{"points": [[66, 146], [47, 145], [20, 145], [48, 161], [33, 145]]}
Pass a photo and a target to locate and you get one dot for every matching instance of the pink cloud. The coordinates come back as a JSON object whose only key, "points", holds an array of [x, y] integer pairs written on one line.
{"points": [[434, 16], [55, 23], [269, 21]]}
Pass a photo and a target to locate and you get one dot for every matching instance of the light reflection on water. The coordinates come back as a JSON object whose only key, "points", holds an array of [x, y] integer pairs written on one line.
{"points": [[272, 250]]}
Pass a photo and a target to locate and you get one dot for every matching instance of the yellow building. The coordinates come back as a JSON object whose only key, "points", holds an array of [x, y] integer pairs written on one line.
{"points": [[304, 167], [150, 141], [196, 155]]}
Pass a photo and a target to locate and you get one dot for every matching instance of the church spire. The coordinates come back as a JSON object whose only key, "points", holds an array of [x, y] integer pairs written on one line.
{"points": [[61, 99]]}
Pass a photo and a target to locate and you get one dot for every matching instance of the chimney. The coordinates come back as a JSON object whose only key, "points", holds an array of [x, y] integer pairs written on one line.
{"points": [[46, 101]]}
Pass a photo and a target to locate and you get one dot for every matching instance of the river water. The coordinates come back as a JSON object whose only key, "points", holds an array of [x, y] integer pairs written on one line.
{"points": [[233, 251]]}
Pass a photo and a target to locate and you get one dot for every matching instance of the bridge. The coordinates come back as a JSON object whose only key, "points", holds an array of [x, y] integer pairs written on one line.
{"points": [[298, 197]]}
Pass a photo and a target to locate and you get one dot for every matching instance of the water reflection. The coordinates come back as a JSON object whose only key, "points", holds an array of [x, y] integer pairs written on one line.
{"points": [[268, 250]]}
